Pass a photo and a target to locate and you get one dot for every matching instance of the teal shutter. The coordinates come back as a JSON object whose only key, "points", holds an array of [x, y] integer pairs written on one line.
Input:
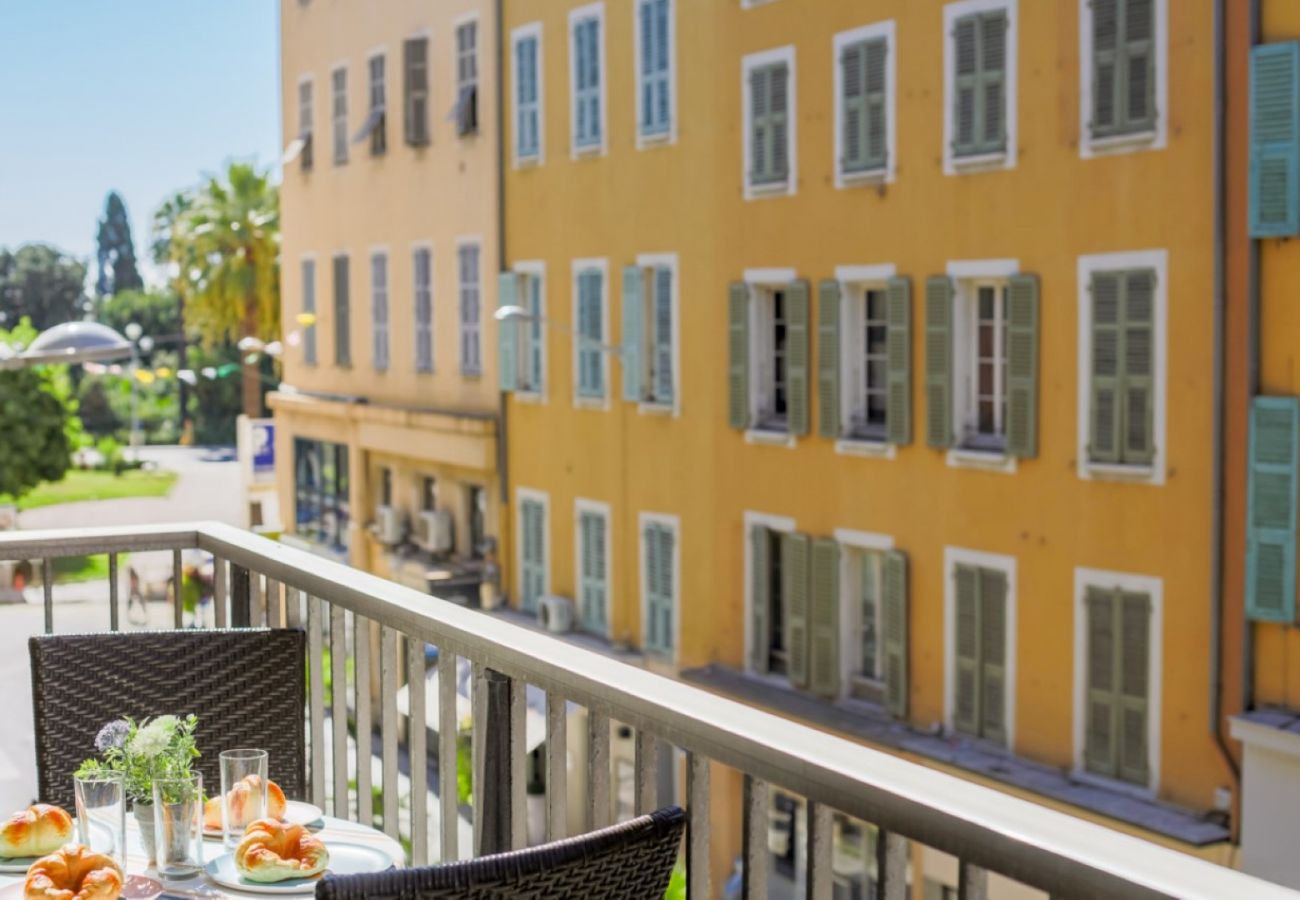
{"points": [[794, 591], [993, 654], [738, 355], [938, 361], [507, 332], [828, 359], [796, 356], [590, 336], [1101, 728], [1137, 362], [1134, 648], [533, 537], [1275, 140], [1022, 366], [662, 363], [966, 712], [1271, 509], [633, 288], [658, 554], [894, 584], [898, 348], [824, 619], [595, 588], [760, 597]]}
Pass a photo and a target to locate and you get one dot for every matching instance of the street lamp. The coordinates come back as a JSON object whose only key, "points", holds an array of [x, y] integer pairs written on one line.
{"points": [[139, 342]]}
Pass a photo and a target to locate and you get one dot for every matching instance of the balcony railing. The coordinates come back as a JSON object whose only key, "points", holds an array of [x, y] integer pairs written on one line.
{"points": [[260, 582]]}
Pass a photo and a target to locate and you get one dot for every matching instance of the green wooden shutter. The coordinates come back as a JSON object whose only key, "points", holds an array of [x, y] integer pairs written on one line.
{"points": [[993, 654], [654, 639], [1134, 648], [738, 355], [1275, 140], [633, 316], [1101, 728], [938, 361], [966, 86], [853, 99], [760, 567], [760, 127], [1022, 366], [828, 359], [877, 104], [1271, 509], [1106, 75], [663, 387], [992, 101], [794, 593], [798, 396], [507, 332], [895, 632], [966, 712], [1139, 83], [779, 114], [824, 619], [1138, 365], [898, 349], [1104, 412]]}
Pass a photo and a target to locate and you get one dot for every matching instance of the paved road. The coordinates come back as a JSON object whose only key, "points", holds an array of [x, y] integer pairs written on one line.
{"points": [[206, 489]]}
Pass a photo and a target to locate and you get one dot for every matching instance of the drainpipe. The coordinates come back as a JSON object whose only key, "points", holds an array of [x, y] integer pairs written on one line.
{"points": [[502, 456], [1252, 388]]}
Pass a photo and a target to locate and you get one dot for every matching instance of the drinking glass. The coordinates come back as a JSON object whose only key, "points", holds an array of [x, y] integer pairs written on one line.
{"points": [[243, 791], [101, 799], [178, 826]]}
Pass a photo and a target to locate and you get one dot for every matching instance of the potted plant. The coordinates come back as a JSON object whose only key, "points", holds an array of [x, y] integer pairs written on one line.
{"points": [[143, 751]]}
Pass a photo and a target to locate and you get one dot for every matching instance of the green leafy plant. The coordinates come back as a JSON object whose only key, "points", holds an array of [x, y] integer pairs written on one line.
{"points": [[142, 752]]}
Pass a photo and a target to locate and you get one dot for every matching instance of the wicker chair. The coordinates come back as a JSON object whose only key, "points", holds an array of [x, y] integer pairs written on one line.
{"points": [[246, 687], [630, 861]]}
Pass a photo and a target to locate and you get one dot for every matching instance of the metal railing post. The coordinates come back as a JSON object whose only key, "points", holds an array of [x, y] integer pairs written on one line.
{"points": [[497, 790]]}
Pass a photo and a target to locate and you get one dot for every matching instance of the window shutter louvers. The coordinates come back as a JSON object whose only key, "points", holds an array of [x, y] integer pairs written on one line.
{"points": [[795, 580], [854, 99], [1138, 365], [633, 316], [1135, 628], [759, 127], [828, 359], [507, 332], [993, 47], [1271, 509], [898, 349], [309, 306], [993, 649], [1106, 77], [876, 128], [895, 630], [760, 597], [824, 619], [342, 313], [1022, 366], [966, 714], [797, 347], [1275, 140], [980, 101], [1104, 415], [416, 90], [938, 361], [779, 111], [1100, 713], [966, 50], [663, 374], [1139, 65], [738, 355]]}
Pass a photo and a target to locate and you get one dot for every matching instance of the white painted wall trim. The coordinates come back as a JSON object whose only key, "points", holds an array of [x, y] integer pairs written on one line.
{"points": [[770, 277], [1007, 159], [844, 39], [866, 274], [960, 269], [1157, 139], [783, 524], [748, 63], [952, 557]]}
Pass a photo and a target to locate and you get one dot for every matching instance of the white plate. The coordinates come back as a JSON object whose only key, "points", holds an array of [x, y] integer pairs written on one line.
{"points": [[345, 859], [296, 812], [101, 841]]}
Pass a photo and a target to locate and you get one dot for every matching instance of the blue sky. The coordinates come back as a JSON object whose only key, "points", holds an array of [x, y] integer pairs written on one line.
{"points": [[141, 96]]}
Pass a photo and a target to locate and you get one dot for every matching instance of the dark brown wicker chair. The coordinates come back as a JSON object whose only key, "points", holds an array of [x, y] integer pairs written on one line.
{"points": [[630, 861], [246, 686]]}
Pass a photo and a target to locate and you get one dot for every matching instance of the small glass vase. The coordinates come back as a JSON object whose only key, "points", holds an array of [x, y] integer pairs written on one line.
{"points": [[178, 826], [143, 813]]}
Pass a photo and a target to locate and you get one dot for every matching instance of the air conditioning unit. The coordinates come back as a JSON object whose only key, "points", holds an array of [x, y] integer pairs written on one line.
{"points": [[434, 531], [555, 613], [388, 526]]}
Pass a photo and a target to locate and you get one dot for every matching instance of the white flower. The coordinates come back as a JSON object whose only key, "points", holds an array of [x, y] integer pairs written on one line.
{"points": [[152, 739]]}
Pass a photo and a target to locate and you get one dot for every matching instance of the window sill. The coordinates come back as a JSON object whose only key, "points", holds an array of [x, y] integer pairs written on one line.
{"points": [[768, 189], [865, 448], [655, 139], [655, 408], [1120, 143], [533, 397], [980, 162], [863, 178], [527, 162], [985, 460], [599, 404], [770, 438], [866, 690], [1083, 776], [589, 151], [1118, 472]]}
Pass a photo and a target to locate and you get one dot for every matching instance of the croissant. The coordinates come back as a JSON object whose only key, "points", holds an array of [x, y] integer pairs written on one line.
{"points": [[272, 851], [73, 873], [35, 831], [242, 810]]}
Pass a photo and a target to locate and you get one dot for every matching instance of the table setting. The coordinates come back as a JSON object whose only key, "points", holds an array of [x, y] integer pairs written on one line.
{"points": [[246, 839]]}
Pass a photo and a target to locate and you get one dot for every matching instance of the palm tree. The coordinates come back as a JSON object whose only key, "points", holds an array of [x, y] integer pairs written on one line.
{"points": [[223, 240]]}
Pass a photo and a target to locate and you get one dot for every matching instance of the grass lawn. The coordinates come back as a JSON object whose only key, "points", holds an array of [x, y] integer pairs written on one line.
{"points": [[81, 568], [80, 485]]}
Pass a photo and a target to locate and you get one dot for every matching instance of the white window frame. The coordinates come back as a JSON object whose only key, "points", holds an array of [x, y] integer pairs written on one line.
{"points": [[1153, 587], [544, 498], [673, 522], [461, 322], [852, 542], [1156, 139], [887, 175], [338, 122], [381, 252], [532, 269], [852, 280], [758, 281], [583, 506], [953, 165], [952, 557], [752, 61], [380, 53], [783, 525], [650, 261], [456, 25], [416, 247], [581, 13], [579, 266], [310, 335], [523, 32], [668, 137], [1157, 260]]}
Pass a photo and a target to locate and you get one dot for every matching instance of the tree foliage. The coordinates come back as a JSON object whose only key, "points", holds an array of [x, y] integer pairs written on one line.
{"points": [[40, 426], [116, 251], [40, 283], [156, 312]]}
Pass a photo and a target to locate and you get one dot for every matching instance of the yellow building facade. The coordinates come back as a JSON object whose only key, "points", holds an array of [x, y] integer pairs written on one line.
{"points": [[858, 365], [387, 419]]}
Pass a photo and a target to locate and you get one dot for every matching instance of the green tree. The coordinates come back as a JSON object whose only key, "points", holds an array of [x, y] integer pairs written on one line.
{"points": [[40, 426], [116, 250], [40, 283], [216, 400], [156, 312], [223, 242]]}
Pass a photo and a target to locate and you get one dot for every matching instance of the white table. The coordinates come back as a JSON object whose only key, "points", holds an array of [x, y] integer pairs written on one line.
{"points": [[136, 863]]}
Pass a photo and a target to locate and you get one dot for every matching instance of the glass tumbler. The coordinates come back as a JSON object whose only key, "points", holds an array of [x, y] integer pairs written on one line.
{"points": [[101, 813], [243, 791], [178, 826]]}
